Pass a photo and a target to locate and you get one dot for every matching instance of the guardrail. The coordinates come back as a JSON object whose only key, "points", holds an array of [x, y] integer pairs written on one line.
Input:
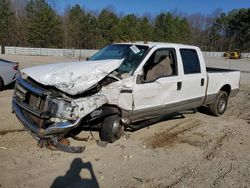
{"points": [[83, 53]]}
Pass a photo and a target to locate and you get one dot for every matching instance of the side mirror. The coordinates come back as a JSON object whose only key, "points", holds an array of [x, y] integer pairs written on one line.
{"points": [[140, 79]]}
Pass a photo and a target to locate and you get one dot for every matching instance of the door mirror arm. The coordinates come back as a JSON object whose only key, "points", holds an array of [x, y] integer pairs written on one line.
{"points": [[140, 79]]}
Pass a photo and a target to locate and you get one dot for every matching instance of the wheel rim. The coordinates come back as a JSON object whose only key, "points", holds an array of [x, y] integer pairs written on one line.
{"points": [[118, 129], [222, 104]]}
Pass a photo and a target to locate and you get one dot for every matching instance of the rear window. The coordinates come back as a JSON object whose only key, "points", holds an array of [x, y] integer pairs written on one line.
{"points": [[190, 60]]}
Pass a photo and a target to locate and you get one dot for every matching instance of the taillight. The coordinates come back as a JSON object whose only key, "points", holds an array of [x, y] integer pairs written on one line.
{"points": [[16, 67]]}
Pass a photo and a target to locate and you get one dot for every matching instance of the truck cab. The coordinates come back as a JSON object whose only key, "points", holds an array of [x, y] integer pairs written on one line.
{"points": [[165, 77]]}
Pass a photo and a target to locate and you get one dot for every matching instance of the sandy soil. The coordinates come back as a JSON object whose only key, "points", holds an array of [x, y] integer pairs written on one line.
{"points": [[193, 150]]}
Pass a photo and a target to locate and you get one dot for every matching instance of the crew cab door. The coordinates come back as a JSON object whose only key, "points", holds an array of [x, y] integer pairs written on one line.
{"points": [[152, 93], [194, 78]]}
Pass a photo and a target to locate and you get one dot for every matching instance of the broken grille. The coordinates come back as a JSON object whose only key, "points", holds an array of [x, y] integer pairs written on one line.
{"points": [[25, 96], [32, 103]]}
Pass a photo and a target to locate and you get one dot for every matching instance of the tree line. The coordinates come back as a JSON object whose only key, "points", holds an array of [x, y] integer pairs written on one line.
{"points": [[35, 23]]}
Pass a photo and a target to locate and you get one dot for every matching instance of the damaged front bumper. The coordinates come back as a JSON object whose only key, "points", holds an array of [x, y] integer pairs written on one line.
{"points": [[46, 137], [49, 116], [54, 129], [34, 107]]}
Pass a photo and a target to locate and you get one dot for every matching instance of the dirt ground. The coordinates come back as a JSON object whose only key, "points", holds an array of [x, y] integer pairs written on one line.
{"points": [[193, 150]]}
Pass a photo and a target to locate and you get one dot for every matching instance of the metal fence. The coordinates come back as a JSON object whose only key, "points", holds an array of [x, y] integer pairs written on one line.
{"points": [[220, 54], [10, 50]]}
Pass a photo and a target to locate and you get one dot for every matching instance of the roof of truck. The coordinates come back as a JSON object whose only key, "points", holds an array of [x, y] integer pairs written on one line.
{"points": [[152, 44]]}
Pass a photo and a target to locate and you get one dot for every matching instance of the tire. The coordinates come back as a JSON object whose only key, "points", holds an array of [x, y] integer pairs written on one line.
{"points": [[220, 104], [1, 84], [112, 129]]}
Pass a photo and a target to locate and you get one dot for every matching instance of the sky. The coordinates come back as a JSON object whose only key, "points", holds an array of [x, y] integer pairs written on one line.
{"points": [[140, 7]]}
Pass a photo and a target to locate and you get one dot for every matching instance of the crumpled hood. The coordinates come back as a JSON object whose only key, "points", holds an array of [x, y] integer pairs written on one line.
{"points": [[72, 78]]}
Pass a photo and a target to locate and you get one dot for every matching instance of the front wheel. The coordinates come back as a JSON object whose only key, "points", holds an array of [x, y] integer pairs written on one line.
{"points": [[112, 129], [219, 106]]}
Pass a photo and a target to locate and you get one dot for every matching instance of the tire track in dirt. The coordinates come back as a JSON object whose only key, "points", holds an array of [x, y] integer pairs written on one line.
{"points": [[185, 172], [239, 106], [215, 146], [2, 133], [172, 135]]}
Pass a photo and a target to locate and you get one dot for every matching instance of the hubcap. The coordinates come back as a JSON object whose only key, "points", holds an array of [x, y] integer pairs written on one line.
{"points": [[118, 129], [221, 105]]}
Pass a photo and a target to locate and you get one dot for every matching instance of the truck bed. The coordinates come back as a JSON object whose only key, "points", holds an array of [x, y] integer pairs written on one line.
{"points": [[218, 78]]}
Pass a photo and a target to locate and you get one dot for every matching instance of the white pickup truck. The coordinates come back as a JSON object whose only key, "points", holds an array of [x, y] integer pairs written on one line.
{"points": [[121, 84]]}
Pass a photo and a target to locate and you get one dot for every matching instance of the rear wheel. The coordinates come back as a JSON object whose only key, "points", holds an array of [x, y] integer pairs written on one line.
{"points": [[220, 104], [1, 84], [112, 129]]}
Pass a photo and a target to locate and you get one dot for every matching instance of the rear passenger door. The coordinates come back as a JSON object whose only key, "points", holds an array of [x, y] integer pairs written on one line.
{"points": [[194, 79]]}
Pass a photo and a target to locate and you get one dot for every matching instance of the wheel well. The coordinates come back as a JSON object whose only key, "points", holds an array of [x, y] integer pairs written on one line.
{"points": [[1, 80], [112, 109], [106, 110], [226, 88]]}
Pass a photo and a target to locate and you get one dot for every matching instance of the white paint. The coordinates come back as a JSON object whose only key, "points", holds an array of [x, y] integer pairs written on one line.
{"points": [[86, 105], [164, 91], [191, 83], [7, 73], [72, 78], [217, 80], [114, 95], [108, 95]]}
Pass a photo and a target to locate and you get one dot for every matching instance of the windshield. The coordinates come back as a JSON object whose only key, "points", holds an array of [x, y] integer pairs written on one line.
{"points": [[132, 55]]}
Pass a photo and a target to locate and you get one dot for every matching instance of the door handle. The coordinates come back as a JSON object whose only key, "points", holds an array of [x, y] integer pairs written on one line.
{"points": [[202, 81], [126, 91], [179, 85]]}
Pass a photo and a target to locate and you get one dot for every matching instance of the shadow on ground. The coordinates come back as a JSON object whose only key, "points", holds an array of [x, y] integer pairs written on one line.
{"points": [[73, 178]]}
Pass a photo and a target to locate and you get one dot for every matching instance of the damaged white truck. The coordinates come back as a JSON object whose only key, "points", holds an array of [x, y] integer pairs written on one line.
{"points": [[121, 84]]}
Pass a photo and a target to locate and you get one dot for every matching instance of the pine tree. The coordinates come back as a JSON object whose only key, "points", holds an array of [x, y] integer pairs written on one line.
{"points": [[129, 28], [44, 27], [74, 26], [6, 18], [108, 26], [145, 29]]}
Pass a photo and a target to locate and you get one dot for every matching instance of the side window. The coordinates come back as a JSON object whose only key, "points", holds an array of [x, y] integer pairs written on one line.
{"points": [[190, 60], [162, 63]]}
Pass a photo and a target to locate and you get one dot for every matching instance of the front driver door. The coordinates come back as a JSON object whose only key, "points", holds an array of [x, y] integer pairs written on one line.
{"points": [[152, 97]]}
